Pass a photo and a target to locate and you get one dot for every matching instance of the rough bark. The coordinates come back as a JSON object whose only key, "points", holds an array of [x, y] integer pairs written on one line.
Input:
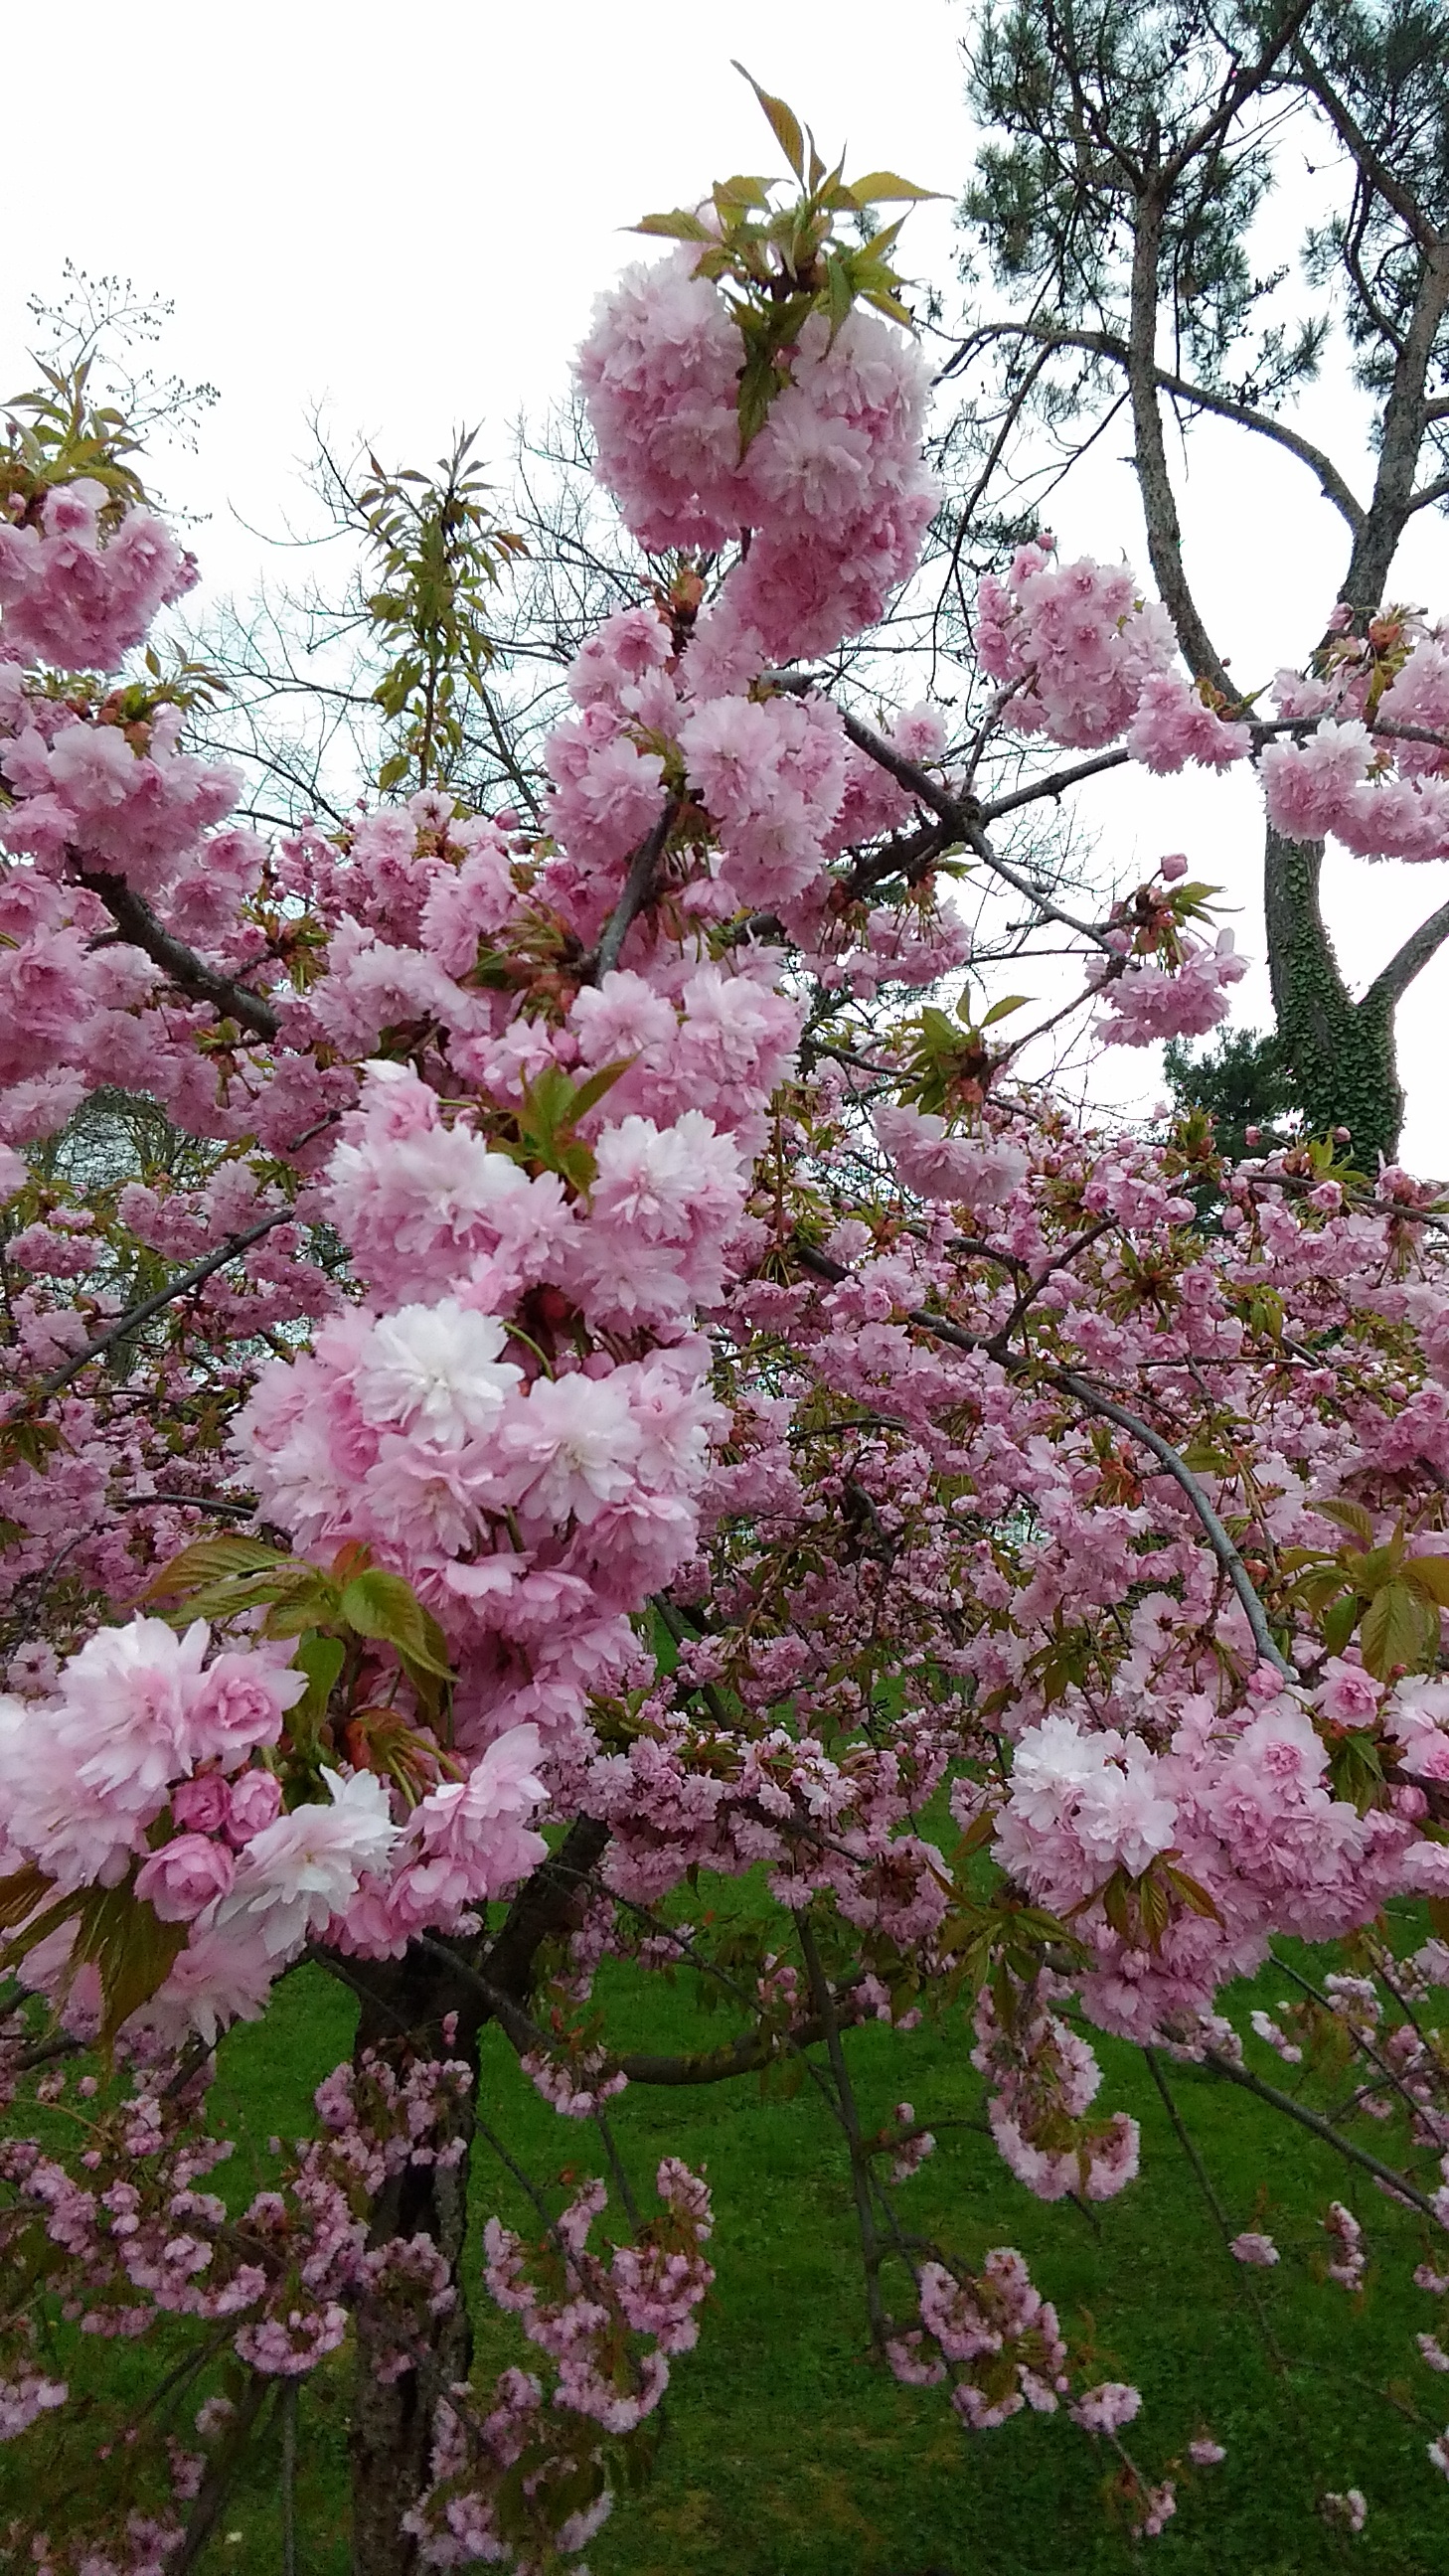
{"points": [[392, 2420]]}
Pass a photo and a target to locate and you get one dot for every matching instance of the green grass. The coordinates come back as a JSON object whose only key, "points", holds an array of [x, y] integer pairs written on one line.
{"points": [[789, 2453]]}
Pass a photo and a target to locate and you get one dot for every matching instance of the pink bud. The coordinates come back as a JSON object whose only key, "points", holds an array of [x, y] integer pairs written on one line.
{"points": [[256, 1802], [1172, 867], [181, 1879], [201, 1805]]}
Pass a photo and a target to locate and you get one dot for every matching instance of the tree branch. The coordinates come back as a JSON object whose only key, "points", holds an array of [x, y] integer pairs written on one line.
{"points": [[965, 819], [1391, 984], [1056, 784], [135, 1316], [1217, 1537], [1390, 187], [191, 975], [1314, 2121], [638, 887]]}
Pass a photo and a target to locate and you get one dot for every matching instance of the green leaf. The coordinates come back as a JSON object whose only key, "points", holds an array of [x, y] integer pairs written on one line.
{"points": [[839, 290], [587, 1095], [20, 1894], [321, 1659], [1155, 1908], [1399, 1628], [125, 1938], [759, 384], [212, 1560], [1193, 1894], [784, 124], [732, 194], [1429, 1575], [1340, 1623], [1003, 1009], [1347, 1516], [679, 226], [378, 1604], [1356, 1771], [882, 187]]}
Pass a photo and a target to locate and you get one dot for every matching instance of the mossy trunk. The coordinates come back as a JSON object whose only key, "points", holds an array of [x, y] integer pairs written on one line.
{"points": [[1341, 1052]]}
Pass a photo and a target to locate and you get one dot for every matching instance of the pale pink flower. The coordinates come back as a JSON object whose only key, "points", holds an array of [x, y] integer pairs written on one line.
{"points": [[304, 1868], [435, 1371], [573, 1443]]}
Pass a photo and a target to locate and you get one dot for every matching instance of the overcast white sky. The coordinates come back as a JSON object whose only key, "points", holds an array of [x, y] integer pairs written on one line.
{"points": [[402, 216]]}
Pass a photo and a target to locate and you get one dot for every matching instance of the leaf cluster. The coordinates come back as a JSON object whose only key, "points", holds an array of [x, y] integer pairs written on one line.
{"points": [[778, 264], [61, 432], [1388, 1597], [438, 556]]}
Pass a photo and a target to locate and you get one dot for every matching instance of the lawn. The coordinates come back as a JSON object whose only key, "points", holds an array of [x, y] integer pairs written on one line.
{"points": [[789, 2453]]}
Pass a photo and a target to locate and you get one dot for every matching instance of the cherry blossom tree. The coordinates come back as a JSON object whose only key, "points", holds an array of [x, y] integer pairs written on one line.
{"points": [[634, 1375]]}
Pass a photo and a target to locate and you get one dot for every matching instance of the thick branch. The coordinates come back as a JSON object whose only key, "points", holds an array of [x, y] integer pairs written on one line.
{"points": [[1390, 986], [638, 888], [543, 1905], [190, 974], [1159, 504]]}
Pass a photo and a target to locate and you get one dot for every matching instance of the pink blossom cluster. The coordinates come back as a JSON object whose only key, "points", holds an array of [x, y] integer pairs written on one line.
{"points": [[978, 1172], [1243, 1807], [1086, 658], [1146, 1003], [608, 2334], [1344, 780], [121, 807], [1373, 770], [1045, 2078], [831, 487], [991, 2335], [79, 592]]}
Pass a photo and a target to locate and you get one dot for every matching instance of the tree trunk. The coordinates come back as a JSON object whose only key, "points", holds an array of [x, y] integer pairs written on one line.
{"points": [[404, 2003], [1342, 1052], [392, 2420]]}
